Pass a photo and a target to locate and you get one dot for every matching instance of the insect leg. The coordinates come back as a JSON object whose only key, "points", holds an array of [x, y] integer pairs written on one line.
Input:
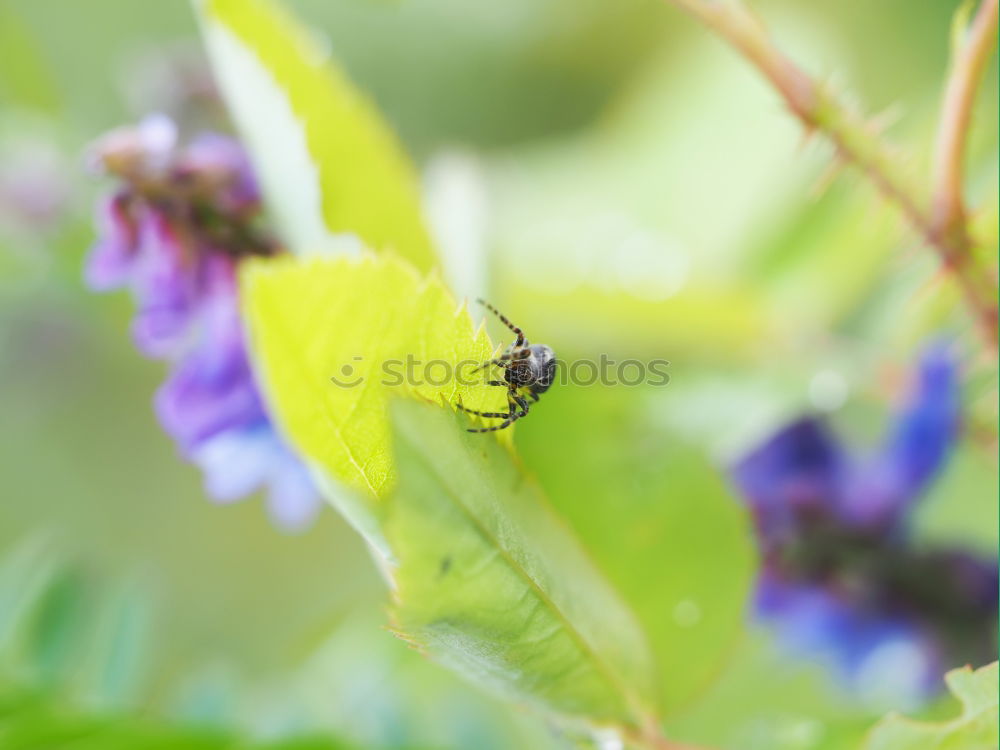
{"points": [[493, 414], [506, 360], [502, 426], [521, 340], [511, 418], [522, 403], [501, 361]]}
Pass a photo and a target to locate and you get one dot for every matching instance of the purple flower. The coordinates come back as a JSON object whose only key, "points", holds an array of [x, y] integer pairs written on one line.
{"points": [[236, 462], [165, 285], [211, 389], [109, 264], [841, 577], [221, 164], [173, 234]]}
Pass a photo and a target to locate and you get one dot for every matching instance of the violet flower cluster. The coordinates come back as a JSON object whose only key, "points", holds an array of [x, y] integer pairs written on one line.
{"points": [[842, 576], [173, 233]]}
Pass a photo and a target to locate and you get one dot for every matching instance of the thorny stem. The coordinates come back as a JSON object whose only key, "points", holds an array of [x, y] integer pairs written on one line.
{"points": [[947, 209], [857, 141]]}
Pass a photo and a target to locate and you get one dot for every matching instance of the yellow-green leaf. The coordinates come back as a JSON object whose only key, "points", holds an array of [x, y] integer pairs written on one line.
{"points": [[486, 577], [364, 322], [976, 728], [492, 583], [328, 163]]}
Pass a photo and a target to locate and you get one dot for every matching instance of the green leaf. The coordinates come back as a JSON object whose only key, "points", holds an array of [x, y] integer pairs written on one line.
{"points": [[328, 162], [486, 577], [491, 582], [976, 728], [31, 720], [52, 650], [658, 520], [54, 634], [361, 322], [768, 702]]}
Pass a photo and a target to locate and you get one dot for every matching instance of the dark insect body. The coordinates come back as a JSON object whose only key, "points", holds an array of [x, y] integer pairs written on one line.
{"points": [[528, 371]]}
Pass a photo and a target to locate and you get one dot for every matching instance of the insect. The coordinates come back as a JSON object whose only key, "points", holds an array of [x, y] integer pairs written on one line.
{"points": [[528, 371]]}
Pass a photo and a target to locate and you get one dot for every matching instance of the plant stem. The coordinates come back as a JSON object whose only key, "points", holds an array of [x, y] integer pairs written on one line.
{"points": [[858, 141], [968, 64]]}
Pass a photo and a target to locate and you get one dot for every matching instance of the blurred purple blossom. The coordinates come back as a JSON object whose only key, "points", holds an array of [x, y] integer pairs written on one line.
{"points": [[841, 576], [173, 234]]}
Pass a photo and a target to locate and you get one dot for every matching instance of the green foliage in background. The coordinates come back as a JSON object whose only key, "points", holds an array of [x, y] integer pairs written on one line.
{"points": [[976, 728], [30, 720], [656, 520], [70, 659], [447, 491], [602, 570]]}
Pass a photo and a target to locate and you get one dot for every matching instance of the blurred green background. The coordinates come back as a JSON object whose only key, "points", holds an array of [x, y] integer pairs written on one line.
{"points": [[622, 183]]}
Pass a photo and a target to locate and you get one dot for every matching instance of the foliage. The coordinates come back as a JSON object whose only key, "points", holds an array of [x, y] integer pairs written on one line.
{"points": [[490, 581], [658, 518], [320, 319], [69, 667], [30, 719], [554, 633], [327, 161], [977, 727], [601, 571], [358, 322]]}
